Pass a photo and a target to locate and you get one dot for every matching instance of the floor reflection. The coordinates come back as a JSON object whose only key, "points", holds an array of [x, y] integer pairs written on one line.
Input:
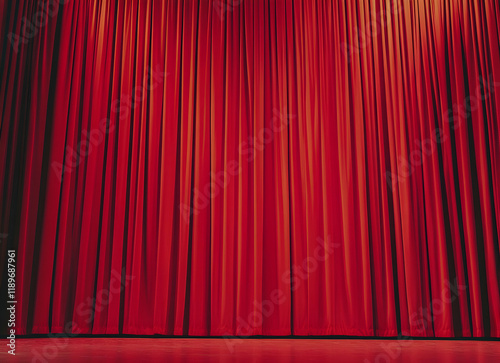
{"points": [[123, 350]]}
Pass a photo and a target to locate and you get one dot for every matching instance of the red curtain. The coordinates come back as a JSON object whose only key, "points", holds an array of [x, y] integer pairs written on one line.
{"points": [[248, 167]]}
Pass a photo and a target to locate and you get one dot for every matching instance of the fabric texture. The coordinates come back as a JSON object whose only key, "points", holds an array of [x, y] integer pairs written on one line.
{"points": [[269, 167]]}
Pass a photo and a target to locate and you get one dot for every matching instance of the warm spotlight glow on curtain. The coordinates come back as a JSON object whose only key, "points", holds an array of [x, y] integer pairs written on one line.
{"points": [[245, 167]]}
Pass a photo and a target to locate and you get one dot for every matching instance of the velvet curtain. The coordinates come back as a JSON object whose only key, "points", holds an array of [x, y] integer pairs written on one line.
{"points": [[244, 167]]}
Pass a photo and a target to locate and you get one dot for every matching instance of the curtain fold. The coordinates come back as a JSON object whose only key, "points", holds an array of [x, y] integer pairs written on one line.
{"points": [[267, 167]]}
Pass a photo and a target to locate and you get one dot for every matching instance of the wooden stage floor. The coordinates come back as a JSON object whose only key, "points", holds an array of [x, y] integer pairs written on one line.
{"points": [[123, 350]]}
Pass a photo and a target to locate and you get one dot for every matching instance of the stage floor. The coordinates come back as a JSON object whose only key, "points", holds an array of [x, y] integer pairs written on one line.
{"points": [[123, 350]]}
